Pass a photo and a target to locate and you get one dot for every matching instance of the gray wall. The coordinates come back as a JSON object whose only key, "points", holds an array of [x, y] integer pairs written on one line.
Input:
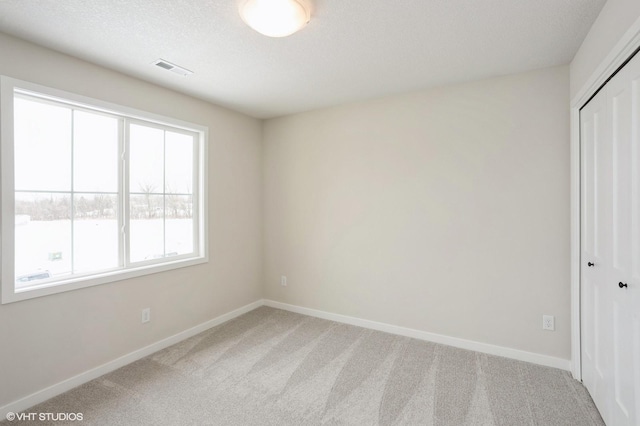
{"points": [[46, 340], [445, 211]]}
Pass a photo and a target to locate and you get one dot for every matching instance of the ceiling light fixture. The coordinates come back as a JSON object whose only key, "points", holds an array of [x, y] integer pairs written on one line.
{"points": [[275, 18]]}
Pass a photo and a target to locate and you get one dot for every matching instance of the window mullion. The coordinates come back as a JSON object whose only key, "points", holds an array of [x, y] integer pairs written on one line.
{"points": [[71, 201], [124, 195], [195, 194], [164, 193]]}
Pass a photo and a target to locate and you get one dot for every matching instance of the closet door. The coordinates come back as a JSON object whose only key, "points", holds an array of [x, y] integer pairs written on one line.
{"points": [[596, 297], [623, 277], [610, 144]]}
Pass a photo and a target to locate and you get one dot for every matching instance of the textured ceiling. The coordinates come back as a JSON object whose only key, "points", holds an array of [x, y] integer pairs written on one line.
{"points": [[351, 50]]}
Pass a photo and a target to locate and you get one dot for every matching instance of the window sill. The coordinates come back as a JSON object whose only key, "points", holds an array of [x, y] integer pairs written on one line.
{"points": [[10, 295]]}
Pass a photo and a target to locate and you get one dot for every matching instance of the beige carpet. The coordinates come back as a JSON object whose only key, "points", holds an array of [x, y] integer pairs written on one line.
{"points": [[272, 367]]}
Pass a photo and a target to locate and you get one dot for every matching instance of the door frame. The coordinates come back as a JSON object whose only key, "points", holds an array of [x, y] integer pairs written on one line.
{"points": [[621, 52]]}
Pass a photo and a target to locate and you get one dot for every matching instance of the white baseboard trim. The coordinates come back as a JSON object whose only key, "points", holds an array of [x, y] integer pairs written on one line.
{"points": [[486, 348], [61, 387]]}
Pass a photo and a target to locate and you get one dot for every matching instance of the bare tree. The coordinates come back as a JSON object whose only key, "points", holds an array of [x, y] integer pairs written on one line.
{"points": [[147, 189]]}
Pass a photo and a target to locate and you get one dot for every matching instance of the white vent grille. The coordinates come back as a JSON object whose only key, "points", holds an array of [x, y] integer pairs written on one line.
{"points": [[172, 67]]}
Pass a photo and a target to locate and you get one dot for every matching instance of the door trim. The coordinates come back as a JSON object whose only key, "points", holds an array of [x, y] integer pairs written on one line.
{"points": [[620, 53]]}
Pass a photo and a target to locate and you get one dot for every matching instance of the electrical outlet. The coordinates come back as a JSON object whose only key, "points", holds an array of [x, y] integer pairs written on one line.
{"points": [[283, 281], [146, 315], [548, 322]]}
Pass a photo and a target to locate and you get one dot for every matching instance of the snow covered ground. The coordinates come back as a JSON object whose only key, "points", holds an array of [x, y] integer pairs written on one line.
{"points": [[46, 245]]}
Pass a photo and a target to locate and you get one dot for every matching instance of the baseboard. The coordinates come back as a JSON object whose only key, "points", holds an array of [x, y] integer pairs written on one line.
{"points": [[61, 387], [516, 354]]}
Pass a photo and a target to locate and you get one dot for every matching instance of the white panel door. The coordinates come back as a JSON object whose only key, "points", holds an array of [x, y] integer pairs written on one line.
{"points": [[623, 111], [610, 280], [596, 297]]}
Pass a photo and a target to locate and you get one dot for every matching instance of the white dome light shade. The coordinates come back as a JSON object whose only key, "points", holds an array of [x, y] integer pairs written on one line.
{"points": [[275, 18]]}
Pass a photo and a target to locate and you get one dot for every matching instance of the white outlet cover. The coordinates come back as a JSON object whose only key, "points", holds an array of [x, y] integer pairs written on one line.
{"points": [[146, 315], [548, 322], [283, 281]]}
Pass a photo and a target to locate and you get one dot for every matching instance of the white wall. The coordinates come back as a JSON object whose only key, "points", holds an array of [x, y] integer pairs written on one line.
{"points": [[445, 211], [46, 340], [612, 22]]}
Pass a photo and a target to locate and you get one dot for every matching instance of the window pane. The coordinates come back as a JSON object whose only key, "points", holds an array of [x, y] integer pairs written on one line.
{"points": [[146, 159], [95, 232], [179, 225], [179, 163], [95, 152], [42, 143], [146, 227], [42, 237]]}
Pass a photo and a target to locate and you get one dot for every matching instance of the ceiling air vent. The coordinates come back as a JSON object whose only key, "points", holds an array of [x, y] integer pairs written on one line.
{"points": [[172, 67]]}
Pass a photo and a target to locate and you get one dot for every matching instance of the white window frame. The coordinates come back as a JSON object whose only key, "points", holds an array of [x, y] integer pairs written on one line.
{"points": [[9, 87]]}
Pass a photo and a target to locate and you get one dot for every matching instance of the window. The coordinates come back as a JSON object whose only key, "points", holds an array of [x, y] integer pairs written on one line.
{"points": [[93, 192]]}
